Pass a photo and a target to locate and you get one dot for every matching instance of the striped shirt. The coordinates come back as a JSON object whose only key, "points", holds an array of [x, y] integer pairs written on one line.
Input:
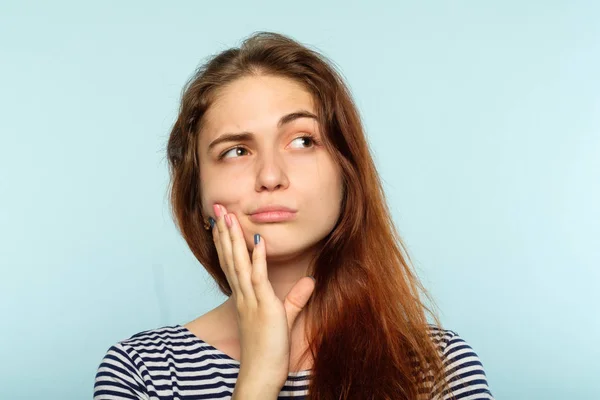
{"points": [[173, 363]]}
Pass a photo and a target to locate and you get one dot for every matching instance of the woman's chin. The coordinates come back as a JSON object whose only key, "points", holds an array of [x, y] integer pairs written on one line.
{"points": [[282, 246], [283, 252]]}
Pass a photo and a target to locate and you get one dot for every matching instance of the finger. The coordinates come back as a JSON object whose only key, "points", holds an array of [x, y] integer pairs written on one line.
{"points": [[227, 256], [241, 260], [263, 289], [217, 242]]}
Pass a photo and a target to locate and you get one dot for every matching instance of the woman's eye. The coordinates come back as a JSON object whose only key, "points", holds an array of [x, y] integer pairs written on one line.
{"points": [[308, 139], [235, 150]]}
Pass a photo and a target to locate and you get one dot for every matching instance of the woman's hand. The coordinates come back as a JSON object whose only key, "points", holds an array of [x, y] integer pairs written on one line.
{"points": [[264, 322]]}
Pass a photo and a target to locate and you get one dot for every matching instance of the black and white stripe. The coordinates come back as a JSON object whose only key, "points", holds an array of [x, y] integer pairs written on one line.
{"points": [[464, 370], [172, 363]]}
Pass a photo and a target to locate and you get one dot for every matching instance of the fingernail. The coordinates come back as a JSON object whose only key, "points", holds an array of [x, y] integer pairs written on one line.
{"points": [[217, 210], [211, 220], [256, 238], [228, 220], [313, 278]]}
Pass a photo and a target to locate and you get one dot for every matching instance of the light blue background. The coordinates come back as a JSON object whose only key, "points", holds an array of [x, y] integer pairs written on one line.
{"points": [[484, 119]]}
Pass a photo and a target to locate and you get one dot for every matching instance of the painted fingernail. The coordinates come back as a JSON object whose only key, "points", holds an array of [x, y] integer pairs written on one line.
{"points": [[211, 220], [228, 220], [256, 238], [217, 210]]}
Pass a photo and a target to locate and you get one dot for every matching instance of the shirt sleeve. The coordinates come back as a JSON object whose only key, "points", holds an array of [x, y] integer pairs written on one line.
{"points": [[464, 371], [118, 377]]}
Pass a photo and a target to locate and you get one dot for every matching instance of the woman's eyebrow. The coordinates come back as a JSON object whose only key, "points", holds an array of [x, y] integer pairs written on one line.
{"points": [[248, 136]]}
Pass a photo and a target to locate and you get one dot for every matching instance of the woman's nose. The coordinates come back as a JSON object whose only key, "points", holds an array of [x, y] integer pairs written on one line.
{"points": [[270, 173]]}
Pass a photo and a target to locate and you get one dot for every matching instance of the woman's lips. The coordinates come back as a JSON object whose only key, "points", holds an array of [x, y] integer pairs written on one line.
{"points": [[272, 216]]}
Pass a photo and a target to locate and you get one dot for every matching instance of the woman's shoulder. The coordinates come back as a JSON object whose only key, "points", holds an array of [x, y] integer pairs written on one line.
{"points": [[441, 336], [449, 342], [165, 334], [152, 341], [464, 368], [155, 341]]}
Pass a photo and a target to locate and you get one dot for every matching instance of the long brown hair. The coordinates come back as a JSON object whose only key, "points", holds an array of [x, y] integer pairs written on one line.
{"points": [[366, 323]]}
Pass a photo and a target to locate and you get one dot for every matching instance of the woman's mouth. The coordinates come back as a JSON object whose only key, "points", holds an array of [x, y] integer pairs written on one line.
{"points": [[272, 216]]}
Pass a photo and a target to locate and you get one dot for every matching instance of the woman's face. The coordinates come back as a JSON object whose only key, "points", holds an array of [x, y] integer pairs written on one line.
{"points": [[270, 164]]}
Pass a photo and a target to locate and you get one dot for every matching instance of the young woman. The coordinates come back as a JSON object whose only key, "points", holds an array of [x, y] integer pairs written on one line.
{"points": [[276, 194]]}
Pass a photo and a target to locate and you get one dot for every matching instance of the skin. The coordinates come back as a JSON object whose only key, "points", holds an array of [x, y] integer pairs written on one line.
{"points": [[277, 166]]}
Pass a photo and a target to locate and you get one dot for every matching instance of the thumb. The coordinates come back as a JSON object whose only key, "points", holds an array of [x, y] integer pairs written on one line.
{"points": [[297, 299]]}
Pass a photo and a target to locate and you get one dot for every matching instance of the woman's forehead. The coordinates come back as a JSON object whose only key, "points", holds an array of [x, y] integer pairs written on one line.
{"points": [[256, 104]]}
